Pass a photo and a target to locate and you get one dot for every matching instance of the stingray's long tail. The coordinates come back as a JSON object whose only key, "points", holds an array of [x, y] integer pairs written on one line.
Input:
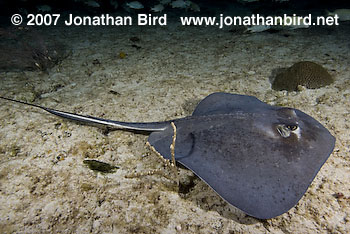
{"points": [[148, 127]]}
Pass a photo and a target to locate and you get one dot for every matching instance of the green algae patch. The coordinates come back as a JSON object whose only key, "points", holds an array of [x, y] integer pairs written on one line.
{"points": [[100, 166]]}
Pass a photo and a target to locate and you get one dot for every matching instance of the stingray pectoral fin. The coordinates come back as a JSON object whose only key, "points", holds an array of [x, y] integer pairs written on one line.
{"points": [[148, 127], [226, 103]]}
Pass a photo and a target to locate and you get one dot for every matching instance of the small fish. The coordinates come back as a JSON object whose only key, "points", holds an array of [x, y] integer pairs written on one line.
{"points": [[257, 28], [92, 3], [44, 8], [114, 3], [194, 7], [293, 22], [23, 11], [100, 166], [157, 8], [135, 5], [180, 4], [343, 14], [245, 1], [164, 2]]}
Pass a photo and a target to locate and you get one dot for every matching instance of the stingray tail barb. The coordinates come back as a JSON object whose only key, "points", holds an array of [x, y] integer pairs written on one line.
{"points": [[148, 126]]}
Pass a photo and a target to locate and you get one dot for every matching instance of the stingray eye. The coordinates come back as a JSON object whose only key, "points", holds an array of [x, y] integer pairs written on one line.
{"points": [[292, 127], [285, 130]]}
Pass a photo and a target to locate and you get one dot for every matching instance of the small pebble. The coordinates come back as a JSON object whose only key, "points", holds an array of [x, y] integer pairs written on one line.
{"points": [[178, 227], [122, 55]]}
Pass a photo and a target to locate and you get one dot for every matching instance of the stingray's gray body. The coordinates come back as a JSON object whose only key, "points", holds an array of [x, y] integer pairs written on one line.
{"points": [[259, 158]]}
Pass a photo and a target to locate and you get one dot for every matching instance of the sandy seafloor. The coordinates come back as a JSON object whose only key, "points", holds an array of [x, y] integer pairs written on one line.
{"points": [[46, 188]]}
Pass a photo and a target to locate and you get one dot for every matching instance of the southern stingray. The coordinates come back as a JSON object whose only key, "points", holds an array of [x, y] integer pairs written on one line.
{"points": [[259, 158]]}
